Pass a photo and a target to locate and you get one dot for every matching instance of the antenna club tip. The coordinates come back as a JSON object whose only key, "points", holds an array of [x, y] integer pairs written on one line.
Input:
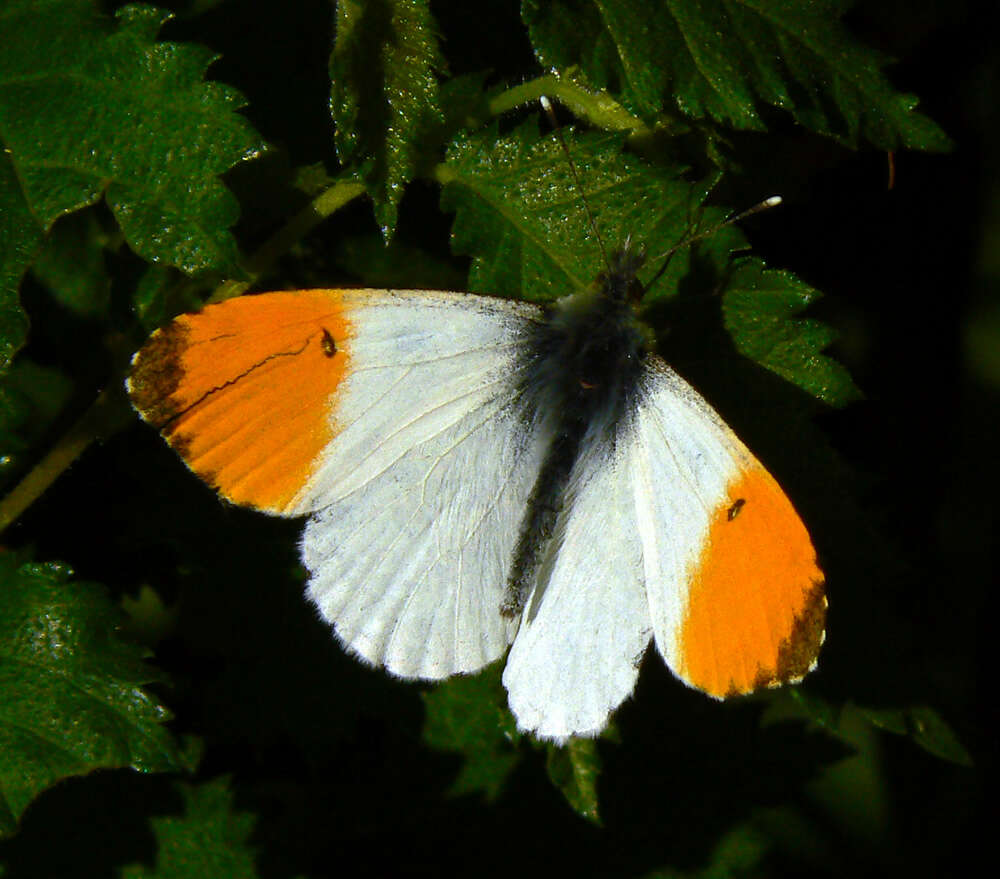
{"points": [[772, 202], [545, 102]]}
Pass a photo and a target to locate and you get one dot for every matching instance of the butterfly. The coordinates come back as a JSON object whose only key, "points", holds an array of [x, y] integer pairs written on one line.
{"points": [[482, 475]]}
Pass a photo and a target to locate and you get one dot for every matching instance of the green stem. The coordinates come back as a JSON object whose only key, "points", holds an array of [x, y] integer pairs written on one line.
{"points": [[596, 107], [105, 416], [324, 205]]}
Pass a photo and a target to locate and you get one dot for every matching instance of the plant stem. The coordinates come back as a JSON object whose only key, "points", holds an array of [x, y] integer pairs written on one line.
{"points": [[104, 416], [321, 207]]}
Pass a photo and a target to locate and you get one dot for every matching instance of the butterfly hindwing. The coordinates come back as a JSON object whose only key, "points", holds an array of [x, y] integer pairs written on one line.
{"points": [[734, 588], [586, 626]]}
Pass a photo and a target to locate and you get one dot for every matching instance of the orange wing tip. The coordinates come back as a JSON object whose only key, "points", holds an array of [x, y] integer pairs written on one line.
{"points": [[243, 391], [156, 374], [756, 608], [797, 656]]}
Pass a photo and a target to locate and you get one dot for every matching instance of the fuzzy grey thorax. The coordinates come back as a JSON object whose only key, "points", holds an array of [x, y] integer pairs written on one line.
{"points": [[579, 386]]}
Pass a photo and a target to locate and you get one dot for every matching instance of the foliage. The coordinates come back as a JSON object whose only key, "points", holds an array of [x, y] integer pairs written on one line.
{"points": [[209, 839], [72, 701]]}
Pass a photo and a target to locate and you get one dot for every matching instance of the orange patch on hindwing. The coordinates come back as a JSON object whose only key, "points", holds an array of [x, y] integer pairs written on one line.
{"points": [[243, 391], [756, 609]]}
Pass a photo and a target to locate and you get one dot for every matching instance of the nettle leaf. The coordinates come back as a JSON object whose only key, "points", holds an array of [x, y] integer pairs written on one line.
{"points": [[71, 265], [90, 108], [211, 838], [384, 94], [612, 42], [738, 852], [925, 726], [71, 699], [20, 238], [720, 59], [468, 715], [151, 298], [921, 723], [396, 265], [759, 311], [575, 769], [519, 213]]}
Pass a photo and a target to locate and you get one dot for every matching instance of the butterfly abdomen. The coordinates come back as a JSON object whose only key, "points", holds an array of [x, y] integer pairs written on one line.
{"points": [[579, 384]]}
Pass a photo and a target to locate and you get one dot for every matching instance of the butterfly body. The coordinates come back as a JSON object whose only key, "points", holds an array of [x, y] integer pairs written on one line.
{"points": [[580, 379]]}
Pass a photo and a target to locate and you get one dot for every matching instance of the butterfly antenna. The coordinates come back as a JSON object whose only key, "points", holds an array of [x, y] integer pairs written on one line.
{"points": [[688, 240], [547, 107]]}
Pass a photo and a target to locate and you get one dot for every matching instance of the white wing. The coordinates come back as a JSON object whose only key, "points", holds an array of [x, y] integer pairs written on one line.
{"points": [[586, 626], [424, 487]]}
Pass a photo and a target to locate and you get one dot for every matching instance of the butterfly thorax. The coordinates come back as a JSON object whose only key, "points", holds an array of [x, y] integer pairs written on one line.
{"points": [[581, 381]]}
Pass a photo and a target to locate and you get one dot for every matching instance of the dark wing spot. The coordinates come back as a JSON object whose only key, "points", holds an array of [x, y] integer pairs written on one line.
{"points": [[328, 343], [734, 510]]}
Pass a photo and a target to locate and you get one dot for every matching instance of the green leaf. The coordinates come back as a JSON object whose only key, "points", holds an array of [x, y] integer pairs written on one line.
{"points": [[151, 298], [575, 769], [396, 265], [822, 712], [519, 213], [211, 838], [465, 101], [71, 264], [384, 94], [925, 726], [468, 715], [720, 59], [759, 311], [612, 42], [161, 293], [148, 619], [71, 699], [737, 853], [88, 108], [20, 238]]}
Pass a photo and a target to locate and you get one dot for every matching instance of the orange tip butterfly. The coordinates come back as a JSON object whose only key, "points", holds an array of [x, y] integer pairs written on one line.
{"points": [[481, 474]]}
